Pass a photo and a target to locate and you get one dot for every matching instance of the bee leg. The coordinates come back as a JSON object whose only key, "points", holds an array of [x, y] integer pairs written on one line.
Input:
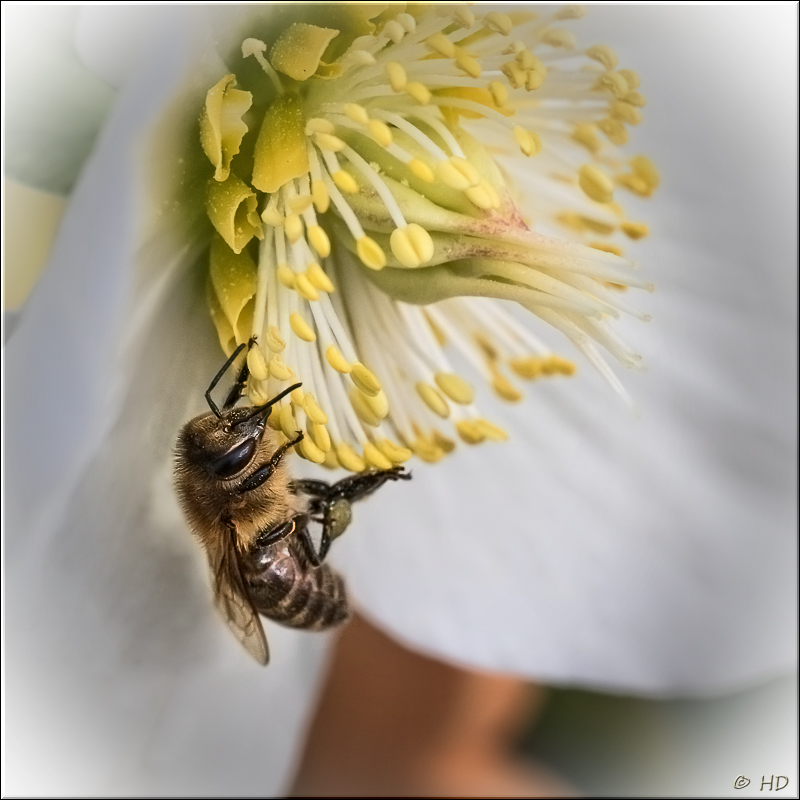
{"points": [[357, 486], [312, 487], [241, 379], [265, 472], [277, 533], [315, 557]]}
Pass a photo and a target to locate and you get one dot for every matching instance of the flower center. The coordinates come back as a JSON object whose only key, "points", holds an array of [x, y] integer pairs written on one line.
{"points": [[387, 235]]}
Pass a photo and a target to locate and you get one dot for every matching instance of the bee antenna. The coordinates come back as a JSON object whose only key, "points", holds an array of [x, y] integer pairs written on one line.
{"points": [[267, 406], [225, 367]]}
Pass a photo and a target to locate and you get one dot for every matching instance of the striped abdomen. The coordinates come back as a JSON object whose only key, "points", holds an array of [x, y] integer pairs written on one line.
{"points": [[286, 588]]}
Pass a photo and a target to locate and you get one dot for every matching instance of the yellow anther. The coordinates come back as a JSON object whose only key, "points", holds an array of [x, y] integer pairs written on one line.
{"points": [[319, 240], [635, 99], [380, 132], [396, 74], [419, 92], [469, 64], [505, 388], [349, 459], [586, 135], [528, 141], [394, 30], [614, 130], [255, 394], [407, 21], [357, 113], [615, 83], [456, 388], [607, 247], [625, 112], [327, 141], [300, 203], [596, 183], [457, 173], [365, 380], [582, 224], [563, 366], [257, 364], [434, 399], [515, 74], [304, 287], [490, 431], [439, 43], [375, 458], [309, 450], [444, 443], [272, 216], [527, 367], [498, 22], [275, 341], [320, 436], [559, 37], [549, 366], [313, 411], [337, 360], [427, 450], [287, 421], [319, 125], [528, 60], [394, 452], [379, 404], [499, 93], [470, 432], [464, 16], [274, 419], [361, 58], [412, 245], [286, 276], [482, 196], [362, 408], [631, 78], [604, 55], [301, 328], [534, 79], [294, 227], [517, 46], [570, 12], [319, 278], [345, 181], [635, 230], [251, 47], [331, 461], [422, 170], [278, 369], [298, 397], [319, 194], [645, 169], [370, 253]]}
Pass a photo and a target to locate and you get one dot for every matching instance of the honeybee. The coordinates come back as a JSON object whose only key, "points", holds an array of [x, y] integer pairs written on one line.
{"points": [[253, 520]]}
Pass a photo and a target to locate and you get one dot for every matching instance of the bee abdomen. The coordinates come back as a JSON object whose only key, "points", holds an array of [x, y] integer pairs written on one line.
{"points": [[294, 593], [318, 600]]}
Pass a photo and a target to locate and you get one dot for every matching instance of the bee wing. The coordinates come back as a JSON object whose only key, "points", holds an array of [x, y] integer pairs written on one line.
{"points": [[233, 602]]}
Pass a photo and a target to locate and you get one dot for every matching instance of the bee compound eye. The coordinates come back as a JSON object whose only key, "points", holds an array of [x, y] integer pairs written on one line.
{"points": [[235, 460]]}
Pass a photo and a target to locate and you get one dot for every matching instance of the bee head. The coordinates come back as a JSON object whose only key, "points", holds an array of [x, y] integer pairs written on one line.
{"points": [[224, 443]]}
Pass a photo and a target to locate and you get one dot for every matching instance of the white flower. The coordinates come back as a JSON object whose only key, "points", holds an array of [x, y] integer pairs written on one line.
{"points": [[649, 555]]}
